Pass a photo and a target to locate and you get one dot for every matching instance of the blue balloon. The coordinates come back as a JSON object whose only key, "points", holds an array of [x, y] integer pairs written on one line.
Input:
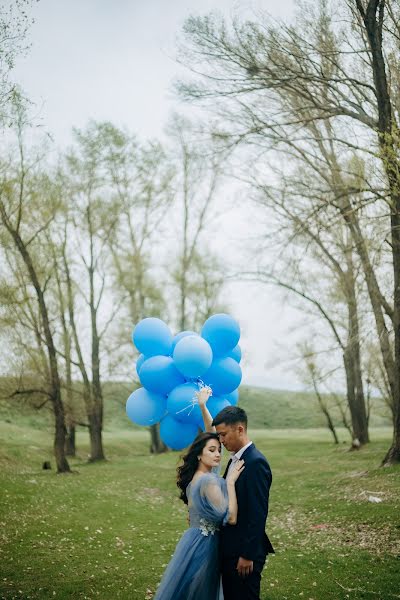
{"points": [[192, 356], [160, 375], [233, 397], [152, 336], [223, 376], [176, 435], [145, 408], [222, 332], [139, 363], [236, 353], [182, 403], [215, 404], [179, 336]]}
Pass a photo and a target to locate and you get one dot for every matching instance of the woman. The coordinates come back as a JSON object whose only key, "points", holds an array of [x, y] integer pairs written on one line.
{"points": [[193, 573]]}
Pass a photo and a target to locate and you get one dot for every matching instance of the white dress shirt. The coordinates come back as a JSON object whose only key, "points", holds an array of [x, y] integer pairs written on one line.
{"points": [[238, 455]]}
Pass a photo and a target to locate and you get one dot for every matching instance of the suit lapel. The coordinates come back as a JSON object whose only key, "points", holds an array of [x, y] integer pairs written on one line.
{"points": [[227, 467]]}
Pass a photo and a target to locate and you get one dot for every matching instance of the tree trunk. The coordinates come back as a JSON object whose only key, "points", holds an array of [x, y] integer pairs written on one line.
{"points": [[95, 429], [182, 287], [96, 437], [182, 318], [357, 411], [157, 446], [377, 301], [70, 447], [55, 384], [388, 136], [393, 454], [331, 426], [96, 417], [325, 410], [59, 438], [343, 415], [96, 422], [352, 360]]}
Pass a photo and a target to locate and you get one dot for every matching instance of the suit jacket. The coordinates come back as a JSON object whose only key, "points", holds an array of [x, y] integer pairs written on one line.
{"points": [[248, 538]]}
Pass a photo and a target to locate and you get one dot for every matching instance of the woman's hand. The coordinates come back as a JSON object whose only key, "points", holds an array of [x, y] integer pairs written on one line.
{"points": [[235, 471], [203, 395]]}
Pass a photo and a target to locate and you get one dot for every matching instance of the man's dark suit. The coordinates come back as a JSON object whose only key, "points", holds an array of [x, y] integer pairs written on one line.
{"points": [[247, 538]]}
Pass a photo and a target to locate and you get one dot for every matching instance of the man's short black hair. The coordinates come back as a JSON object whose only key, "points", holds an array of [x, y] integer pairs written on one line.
{"points": [[230, 415]]}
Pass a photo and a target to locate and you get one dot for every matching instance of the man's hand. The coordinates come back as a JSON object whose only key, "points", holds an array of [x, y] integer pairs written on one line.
{"points": [[244, 567]]}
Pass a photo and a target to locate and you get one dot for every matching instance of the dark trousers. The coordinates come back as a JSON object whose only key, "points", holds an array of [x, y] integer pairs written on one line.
{"points": [[240, 588]]}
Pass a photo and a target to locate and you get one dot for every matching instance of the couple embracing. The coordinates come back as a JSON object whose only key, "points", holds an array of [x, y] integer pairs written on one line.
{"points": [[226, 537]]}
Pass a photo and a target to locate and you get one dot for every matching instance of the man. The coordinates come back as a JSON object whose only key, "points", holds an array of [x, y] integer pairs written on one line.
{"points": [[244, 546]]}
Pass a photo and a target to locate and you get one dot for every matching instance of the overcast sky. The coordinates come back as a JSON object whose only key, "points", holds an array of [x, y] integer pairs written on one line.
{"points": [[114, 60]]}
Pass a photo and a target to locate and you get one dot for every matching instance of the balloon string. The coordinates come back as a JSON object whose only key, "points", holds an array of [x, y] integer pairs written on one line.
{"points": [[202, 385], [194, 400], [191, 406]]}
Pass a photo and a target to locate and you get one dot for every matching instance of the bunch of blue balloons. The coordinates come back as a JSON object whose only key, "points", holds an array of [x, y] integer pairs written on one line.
{"points": [[173, 369]]}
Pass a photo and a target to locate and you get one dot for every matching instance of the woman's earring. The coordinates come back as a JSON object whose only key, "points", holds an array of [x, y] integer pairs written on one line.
{"points": [[199, 457]]}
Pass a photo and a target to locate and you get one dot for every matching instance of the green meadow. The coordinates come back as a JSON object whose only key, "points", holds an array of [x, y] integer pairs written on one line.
{"points": [[108, 530]]}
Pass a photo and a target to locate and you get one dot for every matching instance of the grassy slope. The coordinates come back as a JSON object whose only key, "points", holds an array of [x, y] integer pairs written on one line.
{"points": [[108, 530], [266, 409]]}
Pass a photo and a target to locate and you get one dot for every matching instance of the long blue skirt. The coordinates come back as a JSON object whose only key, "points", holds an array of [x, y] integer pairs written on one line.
{"points": [[193, 572]]}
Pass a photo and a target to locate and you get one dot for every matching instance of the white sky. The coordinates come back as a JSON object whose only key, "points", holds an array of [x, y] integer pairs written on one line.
{"points": [[113, 60]]}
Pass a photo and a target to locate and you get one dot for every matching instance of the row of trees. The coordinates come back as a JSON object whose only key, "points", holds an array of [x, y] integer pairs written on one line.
{"points": [[314, 106], [306, 117], [109, 233]]}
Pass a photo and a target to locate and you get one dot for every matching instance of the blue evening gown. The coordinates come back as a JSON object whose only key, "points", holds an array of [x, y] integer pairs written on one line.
{"points": [[193, 572]]}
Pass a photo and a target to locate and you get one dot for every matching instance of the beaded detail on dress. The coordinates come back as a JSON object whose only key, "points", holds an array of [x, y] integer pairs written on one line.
{"points": [[207, 527]]}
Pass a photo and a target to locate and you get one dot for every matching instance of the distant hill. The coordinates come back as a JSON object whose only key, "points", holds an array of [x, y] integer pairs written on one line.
{"points": [[266, 409], [280, 409]]}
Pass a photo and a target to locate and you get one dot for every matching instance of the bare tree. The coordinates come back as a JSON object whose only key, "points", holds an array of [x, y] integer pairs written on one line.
{"points": [[57, 244], [92, 223], [14, 27], [24, 221], [335, 73], [318, 237], [140, 176], [372, 14], [198, 273]]}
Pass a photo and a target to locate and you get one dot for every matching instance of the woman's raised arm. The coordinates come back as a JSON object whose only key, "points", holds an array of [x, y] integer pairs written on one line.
{"points": [[203, 395]]}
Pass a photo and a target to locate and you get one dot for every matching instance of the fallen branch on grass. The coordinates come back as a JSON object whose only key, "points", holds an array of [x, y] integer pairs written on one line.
{"points": [[364, 591]]}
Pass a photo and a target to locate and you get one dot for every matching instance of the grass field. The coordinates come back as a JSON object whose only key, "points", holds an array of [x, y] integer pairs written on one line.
{"points": [[108, 530]]}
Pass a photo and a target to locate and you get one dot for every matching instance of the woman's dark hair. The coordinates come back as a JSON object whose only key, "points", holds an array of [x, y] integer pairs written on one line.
{"points": [[191, 462]]}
